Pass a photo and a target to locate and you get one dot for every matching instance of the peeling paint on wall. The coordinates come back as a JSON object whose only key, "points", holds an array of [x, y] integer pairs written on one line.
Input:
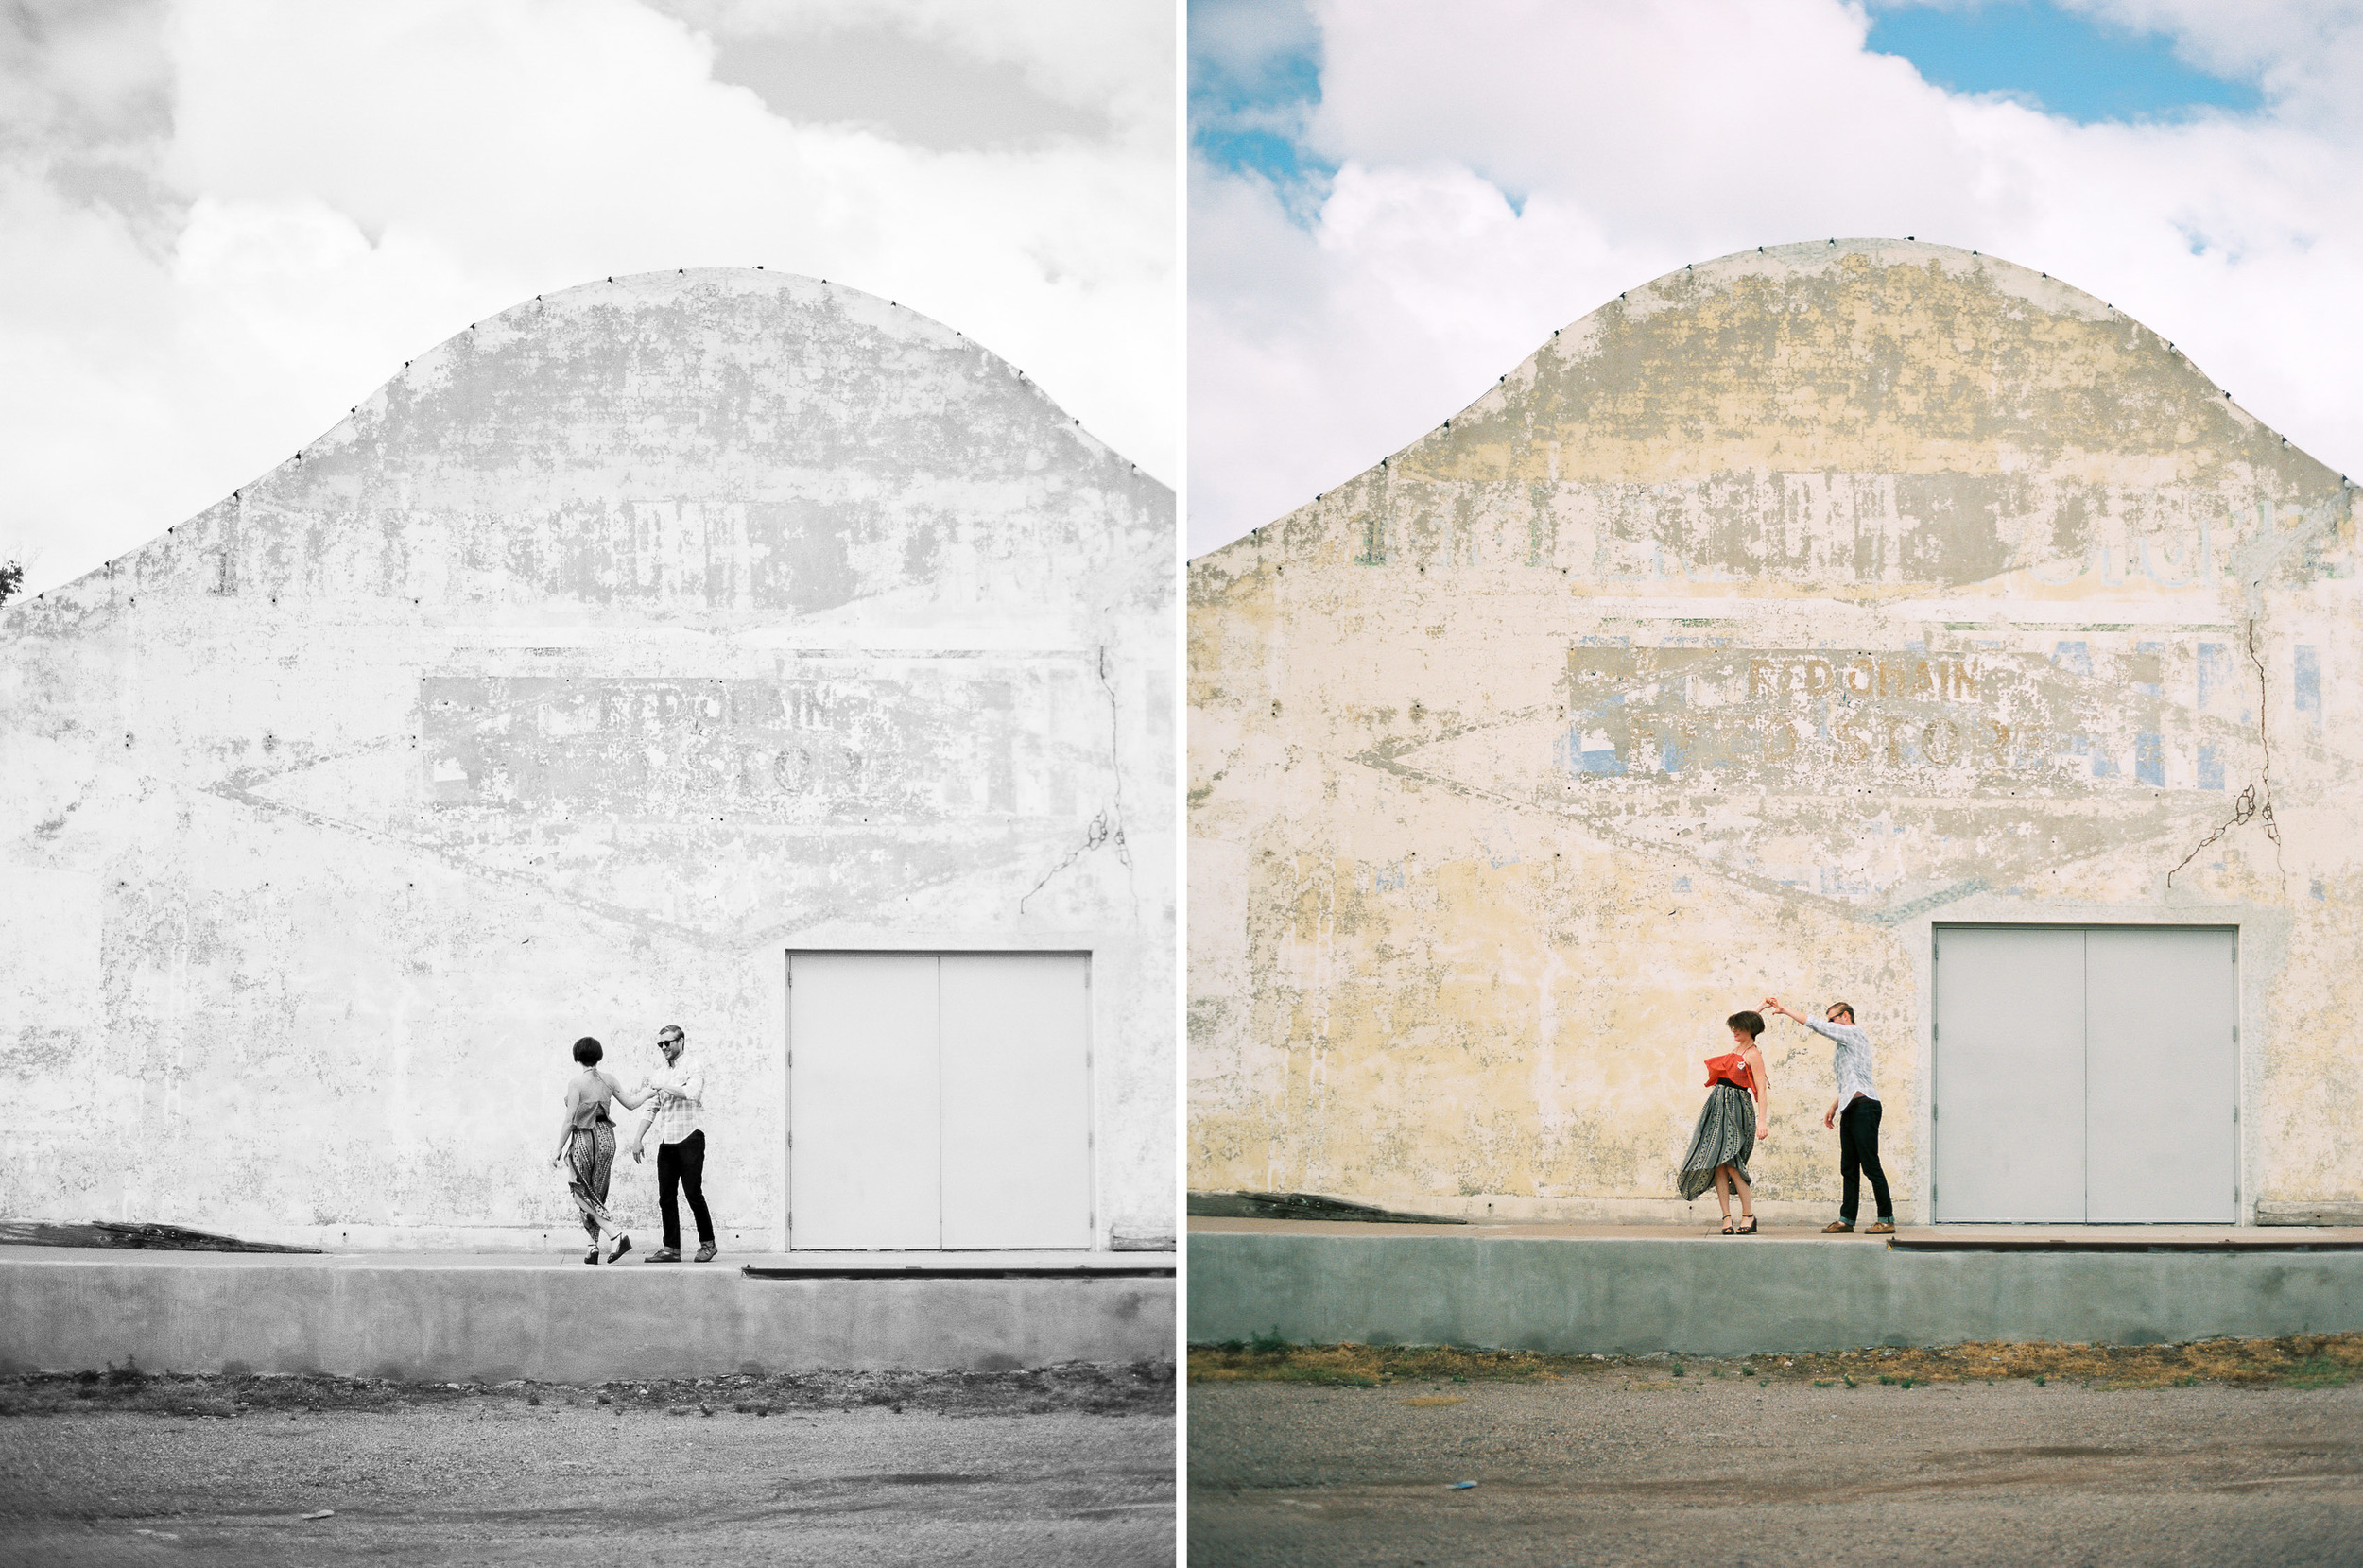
{"points": [[1762, 618], [613, 648]]}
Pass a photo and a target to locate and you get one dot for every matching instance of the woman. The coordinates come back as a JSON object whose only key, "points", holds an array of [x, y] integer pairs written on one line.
{"points": [[1726, 1134], [586, 1144]]}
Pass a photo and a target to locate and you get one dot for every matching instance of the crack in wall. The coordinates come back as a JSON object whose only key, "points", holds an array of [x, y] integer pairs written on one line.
{"points": [[2255, 802], [1116, 776], [1107, 826], [1094, 834]]}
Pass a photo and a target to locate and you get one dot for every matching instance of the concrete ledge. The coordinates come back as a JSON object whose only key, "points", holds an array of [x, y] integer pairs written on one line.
{"points": [[488, 1320], [1717, 1297], [2309, 1213]]}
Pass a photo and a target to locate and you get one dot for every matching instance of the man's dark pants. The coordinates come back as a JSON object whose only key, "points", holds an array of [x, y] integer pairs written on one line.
{"points": [[682, 1167], [1858, 1156]]}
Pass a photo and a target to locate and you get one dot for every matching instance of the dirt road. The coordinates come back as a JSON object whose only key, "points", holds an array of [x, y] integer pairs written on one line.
{"points": [[1636, 1467], [1026, 1469]]}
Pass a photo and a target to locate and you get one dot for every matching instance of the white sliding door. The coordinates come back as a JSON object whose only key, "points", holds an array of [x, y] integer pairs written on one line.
{"points": [[1017, 1152], [2162, 1076], [864, 1156], [2086, 1073], [2009, 1074], [940, 1101]]}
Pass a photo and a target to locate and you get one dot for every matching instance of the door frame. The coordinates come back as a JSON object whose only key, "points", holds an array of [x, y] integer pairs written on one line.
{"points": [[784, 1084], [2244, 1047]]}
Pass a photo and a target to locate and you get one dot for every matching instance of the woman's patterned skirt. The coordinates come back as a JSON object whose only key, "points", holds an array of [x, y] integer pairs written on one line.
{"points": [[590, 1156], [1726, 1136]]}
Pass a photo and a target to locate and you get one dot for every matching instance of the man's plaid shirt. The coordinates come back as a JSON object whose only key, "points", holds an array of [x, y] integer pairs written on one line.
{"points": [[674, 1120]]}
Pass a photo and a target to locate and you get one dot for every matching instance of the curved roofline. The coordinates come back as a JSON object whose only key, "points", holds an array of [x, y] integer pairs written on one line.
{"points": [[2036, 286], [429, 361]]}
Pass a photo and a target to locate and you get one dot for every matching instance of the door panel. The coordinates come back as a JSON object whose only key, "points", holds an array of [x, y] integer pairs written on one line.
{"points": [[2161, 1076], [864, 1160], [2009, 1074], [1017, 1164]]}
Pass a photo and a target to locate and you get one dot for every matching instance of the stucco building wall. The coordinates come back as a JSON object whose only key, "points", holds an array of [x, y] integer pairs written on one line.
{"points": [[1763, 618], [620, 645]]}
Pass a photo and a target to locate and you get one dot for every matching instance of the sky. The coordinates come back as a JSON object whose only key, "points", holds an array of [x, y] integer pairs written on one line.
{"points": [[223, 222], [1393, 202]]}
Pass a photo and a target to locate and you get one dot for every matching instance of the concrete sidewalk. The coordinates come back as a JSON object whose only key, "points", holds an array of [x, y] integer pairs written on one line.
{"points": [[570, 1261], [491, 1316], [1636, 1289], [2269, 1239]]}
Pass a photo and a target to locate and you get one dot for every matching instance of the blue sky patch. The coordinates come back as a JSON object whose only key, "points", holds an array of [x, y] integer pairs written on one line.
{"points": [[1251, 149], [2069, 64], [1255, 71]]}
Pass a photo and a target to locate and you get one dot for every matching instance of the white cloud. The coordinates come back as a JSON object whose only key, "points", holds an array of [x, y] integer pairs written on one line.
{"points": [[1117, 54], [1503, 169], [2306, 52], [187, 297]]}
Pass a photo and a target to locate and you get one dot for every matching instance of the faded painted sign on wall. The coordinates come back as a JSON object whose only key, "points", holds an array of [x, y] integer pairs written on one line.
{"points": [[928, 741]]}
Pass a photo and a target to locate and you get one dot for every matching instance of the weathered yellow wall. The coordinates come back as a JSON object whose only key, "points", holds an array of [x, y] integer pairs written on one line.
{"points": [[1764, 616]]}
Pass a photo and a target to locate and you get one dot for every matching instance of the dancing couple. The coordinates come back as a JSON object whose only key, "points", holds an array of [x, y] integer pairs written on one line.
{"points": [[1735, 1115], [586, 1147]]}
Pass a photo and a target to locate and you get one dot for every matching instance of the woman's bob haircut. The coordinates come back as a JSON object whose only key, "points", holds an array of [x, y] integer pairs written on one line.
{"points": [[1750, 1023], [588, 1051]]}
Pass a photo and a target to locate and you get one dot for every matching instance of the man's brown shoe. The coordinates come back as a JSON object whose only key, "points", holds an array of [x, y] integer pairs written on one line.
{"points": [[705, 1254], [1837, 1227], [664, 1254], [1882, 1229]]}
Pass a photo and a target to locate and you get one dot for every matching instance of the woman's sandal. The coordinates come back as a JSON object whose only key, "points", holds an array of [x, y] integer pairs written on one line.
{"points": [[1748, 1226], [1727, 1226]]}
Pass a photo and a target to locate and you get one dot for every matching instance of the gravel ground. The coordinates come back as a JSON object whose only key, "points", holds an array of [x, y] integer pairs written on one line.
{"points": [[950, 1468], [1635, 1467]]}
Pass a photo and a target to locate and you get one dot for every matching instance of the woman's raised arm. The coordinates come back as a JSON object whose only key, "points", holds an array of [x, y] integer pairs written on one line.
{"points": [[627, 1098]]}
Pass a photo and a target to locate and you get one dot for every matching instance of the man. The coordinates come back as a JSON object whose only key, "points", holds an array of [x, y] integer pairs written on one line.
{"points": [[681, 1146], [1857, 1123]]}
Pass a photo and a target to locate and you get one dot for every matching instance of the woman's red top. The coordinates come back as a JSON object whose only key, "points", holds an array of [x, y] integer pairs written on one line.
{"points": [[1732, 1069]]}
